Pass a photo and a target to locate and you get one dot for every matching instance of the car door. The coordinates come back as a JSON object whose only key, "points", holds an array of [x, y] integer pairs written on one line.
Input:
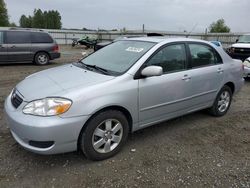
{"points": [[19, 46], [166, 96], [3, 49], [206, 72]]}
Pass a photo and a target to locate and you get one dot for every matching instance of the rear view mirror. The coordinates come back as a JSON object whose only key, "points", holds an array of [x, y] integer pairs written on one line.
{"points": [[237, 40], [152, 71]]}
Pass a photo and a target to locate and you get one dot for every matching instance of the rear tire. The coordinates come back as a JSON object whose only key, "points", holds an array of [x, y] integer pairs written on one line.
{"points": [[42, 58], [222, 102], [104, 135]]}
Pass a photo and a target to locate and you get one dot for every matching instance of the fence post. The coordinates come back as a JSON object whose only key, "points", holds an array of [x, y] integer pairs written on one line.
{"points": [[66, 41]]}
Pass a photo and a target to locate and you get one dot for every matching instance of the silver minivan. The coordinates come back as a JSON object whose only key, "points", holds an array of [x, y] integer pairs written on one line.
{"points": [[93, 104]]}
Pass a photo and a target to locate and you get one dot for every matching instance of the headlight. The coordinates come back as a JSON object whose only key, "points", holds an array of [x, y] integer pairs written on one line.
{"points": [[246, 63], [47, 107]]}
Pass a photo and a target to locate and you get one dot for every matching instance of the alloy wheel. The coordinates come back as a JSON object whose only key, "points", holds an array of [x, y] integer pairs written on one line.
{"points": [[224, 101], [42, 59], [107, 136]]}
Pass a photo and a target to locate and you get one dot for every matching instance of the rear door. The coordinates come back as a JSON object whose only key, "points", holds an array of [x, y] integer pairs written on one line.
{"points": [[206, 72], [19, 46], [3, 49]]}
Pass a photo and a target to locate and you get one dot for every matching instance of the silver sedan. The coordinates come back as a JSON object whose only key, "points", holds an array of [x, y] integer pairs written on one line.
{"points": [[93, 104]]}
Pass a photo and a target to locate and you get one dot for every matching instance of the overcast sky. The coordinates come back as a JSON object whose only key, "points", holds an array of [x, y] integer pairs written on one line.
{"points": [[166, 15]]}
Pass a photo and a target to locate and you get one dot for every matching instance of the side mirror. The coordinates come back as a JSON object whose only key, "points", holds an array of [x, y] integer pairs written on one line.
{"points": [[152, 71], [237, 40]]}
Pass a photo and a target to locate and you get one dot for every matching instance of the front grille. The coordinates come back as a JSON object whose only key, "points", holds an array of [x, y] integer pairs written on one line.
{"points": [[16, 100], [242, 50]]}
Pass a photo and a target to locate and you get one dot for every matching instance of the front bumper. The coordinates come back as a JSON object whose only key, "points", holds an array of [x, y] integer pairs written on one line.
{"points": [[62, 132]]}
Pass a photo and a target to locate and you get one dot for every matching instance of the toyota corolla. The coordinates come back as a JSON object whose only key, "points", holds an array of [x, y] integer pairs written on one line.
{"points": [[93, 104]]}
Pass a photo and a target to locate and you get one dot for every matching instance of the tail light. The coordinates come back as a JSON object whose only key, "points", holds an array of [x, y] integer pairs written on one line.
{"points": [[56, 48]]}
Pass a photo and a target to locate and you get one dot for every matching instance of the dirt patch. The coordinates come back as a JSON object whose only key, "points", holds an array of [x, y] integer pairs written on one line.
{"points": [[196, 150]]}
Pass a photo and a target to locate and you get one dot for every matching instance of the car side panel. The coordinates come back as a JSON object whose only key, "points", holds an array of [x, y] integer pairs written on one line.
{"points": [[42, 47], [90, 100], [233, 70], [206, 82], [19, 52]]}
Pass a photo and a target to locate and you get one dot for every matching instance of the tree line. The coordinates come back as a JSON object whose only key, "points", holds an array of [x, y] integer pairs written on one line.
{"points": [[40, 19], [45, 20]]}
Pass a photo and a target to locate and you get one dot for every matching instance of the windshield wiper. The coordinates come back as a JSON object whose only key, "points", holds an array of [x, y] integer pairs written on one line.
{"points": [[91, 67]]}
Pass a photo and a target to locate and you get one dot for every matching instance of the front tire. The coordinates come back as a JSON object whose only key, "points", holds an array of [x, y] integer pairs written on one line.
{"points": [[104, 135], [222, 102], [42, 58]]}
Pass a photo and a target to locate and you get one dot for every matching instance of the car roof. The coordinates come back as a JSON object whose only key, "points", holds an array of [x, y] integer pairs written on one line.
{"points": [[165, 39], [24, 30]]}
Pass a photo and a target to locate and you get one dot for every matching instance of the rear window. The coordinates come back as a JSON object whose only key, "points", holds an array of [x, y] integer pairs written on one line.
{"points": [[41, 38], [17, 37]]}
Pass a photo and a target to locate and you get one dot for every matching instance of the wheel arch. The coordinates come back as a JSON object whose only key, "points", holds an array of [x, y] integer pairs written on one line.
{"points": [[113, 107], [231, 86], [41, 51]]}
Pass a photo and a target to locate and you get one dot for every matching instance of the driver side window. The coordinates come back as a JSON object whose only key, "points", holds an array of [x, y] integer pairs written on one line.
{"points": [[171, 58]]}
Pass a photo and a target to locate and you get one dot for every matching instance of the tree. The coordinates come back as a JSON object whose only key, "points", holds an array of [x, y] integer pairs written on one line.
{"points": [[219, 27], [38, 19], [25, 22], [4, 18], [45, 20], [12, 24], [52, 20]]}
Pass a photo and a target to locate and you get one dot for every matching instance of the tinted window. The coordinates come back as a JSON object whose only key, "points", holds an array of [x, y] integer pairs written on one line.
{"points": [[1, 37], [18, 37], [202, 55], [37, 37], [171, 58]]}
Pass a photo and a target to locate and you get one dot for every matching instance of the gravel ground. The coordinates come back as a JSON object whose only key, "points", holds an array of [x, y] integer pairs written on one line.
{"points": [[196, 150]]}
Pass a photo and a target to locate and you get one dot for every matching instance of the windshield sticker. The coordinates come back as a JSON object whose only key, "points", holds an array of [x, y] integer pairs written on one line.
{"points": [[134, 49]]}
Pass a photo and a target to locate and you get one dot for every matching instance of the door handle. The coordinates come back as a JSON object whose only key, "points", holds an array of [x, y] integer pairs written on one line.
{"points": [[13, 46], [186, 77], [1, 46], [220, 70]]}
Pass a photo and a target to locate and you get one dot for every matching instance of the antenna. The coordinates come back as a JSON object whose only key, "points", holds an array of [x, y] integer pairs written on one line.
{"points": [[192, 30]]}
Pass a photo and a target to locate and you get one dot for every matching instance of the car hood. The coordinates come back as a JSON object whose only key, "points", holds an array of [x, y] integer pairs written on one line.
{"points": [[55, 81], [241, 45]]}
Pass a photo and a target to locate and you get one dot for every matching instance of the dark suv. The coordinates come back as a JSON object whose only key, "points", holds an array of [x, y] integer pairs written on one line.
{"points": [[27, 46]]}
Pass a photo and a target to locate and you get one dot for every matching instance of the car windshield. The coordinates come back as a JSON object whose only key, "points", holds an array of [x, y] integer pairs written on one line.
{"points": [[119, 56], [244, 39]]}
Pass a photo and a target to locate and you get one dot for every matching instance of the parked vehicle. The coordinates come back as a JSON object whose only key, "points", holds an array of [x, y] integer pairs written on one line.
{"points": [[246, 65], [241, 49], [87, 41], [27, 46], [100, 45], [93, 104]]}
